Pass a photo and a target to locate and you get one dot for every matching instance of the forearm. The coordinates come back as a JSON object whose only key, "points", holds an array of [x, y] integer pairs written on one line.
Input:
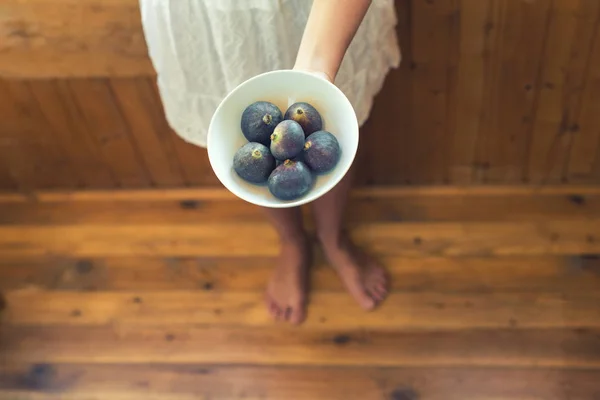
{"points": [[330, 28]]}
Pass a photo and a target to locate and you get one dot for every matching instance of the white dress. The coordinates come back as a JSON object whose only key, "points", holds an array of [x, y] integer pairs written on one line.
{"points": [[202, 49]]}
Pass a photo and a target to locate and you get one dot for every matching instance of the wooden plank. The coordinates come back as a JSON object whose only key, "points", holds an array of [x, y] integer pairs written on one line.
{"points": [[407, 274], [382, 155], [7, 181], [431, 43], [40, 163], [193, 159], [184, 211], [469, 88], [452, 87], [182, 382], [492, 36], [111, 133], [517, 28], [71, 38], [336, 310], [586, 141], [408, 208], [134, 98], [372, 192], [569, 41], [297, 346], [223, 239], [70, 129]]}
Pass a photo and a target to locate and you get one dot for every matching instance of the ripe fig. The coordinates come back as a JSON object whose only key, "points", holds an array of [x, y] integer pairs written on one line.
{"points": [[287, 140], [321, 152], [291, 180], [306, 115], [253, 162], [259, 120]]}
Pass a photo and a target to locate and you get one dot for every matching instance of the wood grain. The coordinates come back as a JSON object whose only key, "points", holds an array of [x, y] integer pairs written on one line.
{"points": [[111, 133], [469, 88], [585, 150], [35, 158], [7, 181], [135, 100], [407, 274], [192, 208], [69, 39], [385, 149], [373, 192], [222, 239], [181, 381], [63, 115], [194, 160], [431, 45], [564, 72], [490, 91], [484, 302], [514, 28], [292, 346], [409, 311]]}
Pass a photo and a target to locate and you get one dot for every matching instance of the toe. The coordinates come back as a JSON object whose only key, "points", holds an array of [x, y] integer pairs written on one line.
{"points": [[365, 300], [287, 313], [382, 287], [358, 290], [298, 314], [378, 293], [276, 311], [269, 304], [374, 295]]}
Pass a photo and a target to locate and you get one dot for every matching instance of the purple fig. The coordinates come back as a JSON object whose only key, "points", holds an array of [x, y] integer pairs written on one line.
{"points": [[291, 180], [306, 115], [259, 120], [287, 140], [254, 163], [321, 152]]}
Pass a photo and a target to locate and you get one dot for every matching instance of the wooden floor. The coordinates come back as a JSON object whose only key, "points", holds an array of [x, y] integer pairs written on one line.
{"points": [[158, 295]]}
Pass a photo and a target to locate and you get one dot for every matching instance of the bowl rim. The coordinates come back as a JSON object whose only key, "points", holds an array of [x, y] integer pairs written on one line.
{"points": [[276, 202]]}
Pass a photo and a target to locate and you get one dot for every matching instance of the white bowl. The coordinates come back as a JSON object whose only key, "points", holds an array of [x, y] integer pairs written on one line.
{"points": [[282, 88]]}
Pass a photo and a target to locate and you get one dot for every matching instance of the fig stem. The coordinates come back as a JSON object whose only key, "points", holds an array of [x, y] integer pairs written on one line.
{"points": [[299, 111], [288, 162], [267, 119], [307, 145], [256, 153]]}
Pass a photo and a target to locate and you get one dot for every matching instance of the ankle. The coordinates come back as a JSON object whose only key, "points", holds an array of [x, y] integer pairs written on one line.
{"points": [[297, 239], [333, 240]]}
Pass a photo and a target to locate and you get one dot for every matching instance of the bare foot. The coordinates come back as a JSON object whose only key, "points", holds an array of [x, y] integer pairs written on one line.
{"points": [[362, 275], [286, 291]]}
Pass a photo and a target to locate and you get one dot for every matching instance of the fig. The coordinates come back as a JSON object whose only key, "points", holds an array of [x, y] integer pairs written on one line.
{"points": [[259, 120], [287, 140], [253, 162], [321, 152], [306, 115], [290, 180]]}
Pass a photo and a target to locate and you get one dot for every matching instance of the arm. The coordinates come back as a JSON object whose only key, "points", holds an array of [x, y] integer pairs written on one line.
{"points": [[330, 28]]}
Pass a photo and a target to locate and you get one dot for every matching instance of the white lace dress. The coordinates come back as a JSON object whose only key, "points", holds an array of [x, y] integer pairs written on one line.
{"points": [[202, 49]]}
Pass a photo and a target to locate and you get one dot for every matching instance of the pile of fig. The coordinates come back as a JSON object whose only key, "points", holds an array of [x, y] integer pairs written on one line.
{"points": [[285, 151]]}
